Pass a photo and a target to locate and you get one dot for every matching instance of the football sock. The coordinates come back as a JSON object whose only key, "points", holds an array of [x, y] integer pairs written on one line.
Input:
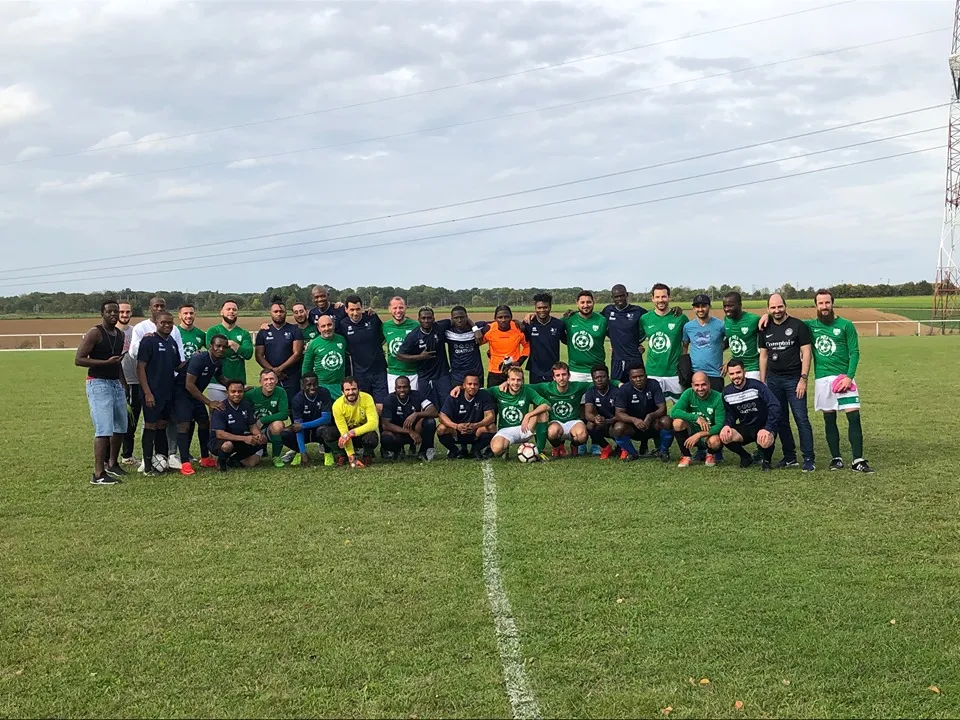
{"points": [[738, 449], [833, 433], [162, 447], [276, 445], [183, 444], [624, 444], [598, 439], [767, 453], [855, 431], [666, 437], [147, 442], [681, 436], [203, 435], [541, 435], [448, 442]]}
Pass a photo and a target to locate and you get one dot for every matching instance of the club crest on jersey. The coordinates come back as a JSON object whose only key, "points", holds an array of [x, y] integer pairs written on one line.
{"points": [[582, 340], [332, 361], [512, 414], [737, 346], [671, 325], [563, 409], [394, 345], [660, 343], [596, 328], [788, 332], [836, 331], [744, 330], [825, 345]]}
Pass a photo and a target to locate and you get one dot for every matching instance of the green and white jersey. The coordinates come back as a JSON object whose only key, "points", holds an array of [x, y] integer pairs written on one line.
{"points": [[326, 358], [309, 333], [836, 347], [268, 409], [742, 339], [512, 408], [393, 336], [194, 340], [564, 406], [585, 337], [234, 362], [690, 407], [664, 343]]}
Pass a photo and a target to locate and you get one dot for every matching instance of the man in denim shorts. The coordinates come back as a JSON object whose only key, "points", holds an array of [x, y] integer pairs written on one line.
{"points": [[101, 352]]}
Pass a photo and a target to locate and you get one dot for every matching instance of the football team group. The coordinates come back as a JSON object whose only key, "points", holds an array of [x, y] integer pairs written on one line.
{"points": [[342, 377]]}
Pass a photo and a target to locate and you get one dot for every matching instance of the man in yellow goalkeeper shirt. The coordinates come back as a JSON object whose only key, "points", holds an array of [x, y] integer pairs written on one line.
{"points": [[355, 415]]}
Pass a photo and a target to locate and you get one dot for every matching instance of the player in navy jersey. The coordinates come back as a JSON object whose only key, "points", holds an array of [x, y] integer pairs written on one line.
{"points": [[190, 405], [236, 432], [323, 306], [463, 348], [426, 347], [468, 422], [408, 419], [752, 415], [544, 333], [599, 411], [641, 415], [364, 335], [279, 347], [625, 332], [158, 359], [312, 422]]}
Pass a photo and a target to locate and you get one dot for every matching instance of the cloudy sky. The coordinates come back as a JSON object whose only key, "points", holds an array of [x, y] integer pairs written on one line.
{"points": [[89, 91]]}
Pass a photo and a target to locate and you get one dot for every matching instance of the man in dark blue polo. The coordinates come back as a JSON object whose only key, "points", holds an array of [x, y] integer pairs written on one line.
{"points": [[363, 332], [641, 414], [158, 360], [279, 347]]}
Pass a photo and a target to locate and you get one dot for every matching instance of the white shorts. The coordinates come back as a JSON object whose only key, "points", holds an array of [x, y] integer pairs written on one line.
{"points": [[216, 392], [392, 382], [825, 399], [514, 435], [753, 374], [567, 426], [580, 377], [670, 386]]}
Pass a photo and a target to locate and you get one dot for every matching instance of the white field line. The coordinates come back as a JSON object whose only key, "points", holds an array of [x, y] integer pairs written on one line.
{"points": [[521, 696]]}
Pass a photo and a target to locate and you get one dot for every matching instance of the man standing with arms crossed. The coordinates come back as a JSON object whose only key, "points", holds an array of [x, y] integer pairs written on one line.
{"points": [[240, 349], [586, 331], [664, 333], [544, 334], [785, 356], [101, 352], [395, 331]]}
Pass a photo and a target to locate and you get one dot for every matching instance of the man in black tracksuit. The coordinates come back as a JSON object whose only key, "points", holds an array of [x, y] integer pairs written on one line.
{"points": [[752, 415]]}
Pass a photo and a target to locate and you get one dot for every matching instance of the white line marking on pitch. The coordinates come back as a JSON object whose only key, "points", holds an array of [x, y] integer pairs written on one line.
{"points": [[508, 637]]}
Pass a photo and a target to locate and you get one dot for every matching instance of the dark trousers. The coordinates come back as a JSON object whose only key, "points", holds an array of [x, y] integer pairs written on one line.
{"points": [[716, 383], [494, 379], [784, 389], [135, 398]]}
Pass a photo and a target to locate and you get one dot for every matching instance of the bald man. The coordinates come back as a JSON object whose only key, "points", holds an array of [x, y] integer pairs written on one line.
{"points": [[786, 350], [698, 416]]}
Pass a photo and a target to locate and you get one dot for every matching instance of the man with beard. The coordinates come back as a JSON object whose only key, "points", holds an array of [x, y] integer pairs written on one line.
{"points": [[240, 349], [279, 347], [785, 356], [363, 332], [190, 405], [516, 422], [194, 339], [752, 415], [355, 415], [586, 331], [395, 331], [544, 333], [408, 420], [101, 352], [424, 347], [703, 339], [301, 317], [664, 334], [698, 416], [326, 357]]}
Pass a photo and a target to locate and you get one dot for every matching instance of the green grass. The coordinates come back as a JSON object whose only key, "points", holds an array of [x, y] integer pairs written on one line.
{"points": [[327, 593]]}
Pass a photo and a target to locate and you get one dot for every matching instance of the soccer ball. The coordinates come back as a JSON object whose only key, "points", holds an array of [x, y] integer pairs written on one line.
{"points": [[527, 453], [160, 463]]}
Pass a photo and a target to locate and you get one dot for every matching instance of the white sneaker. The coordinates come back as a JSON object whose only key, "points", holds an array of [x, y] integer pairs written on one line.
{"points": [[132, 460], [431, 453], [173, 462], [288, 456], [142, 466]]}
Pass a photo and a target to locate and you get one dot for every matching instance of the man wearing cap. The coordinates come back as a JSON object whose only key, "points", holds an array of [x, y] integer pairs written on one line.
{"points": [[703, 339]]}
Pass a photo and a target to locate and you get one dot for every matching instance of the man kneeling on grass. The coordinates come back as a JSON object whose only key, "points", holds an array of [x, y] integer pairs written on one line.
{"points": [[355, 415], [753, 413], [699, 408], [236, 433], [312, 411], [271, 407]]}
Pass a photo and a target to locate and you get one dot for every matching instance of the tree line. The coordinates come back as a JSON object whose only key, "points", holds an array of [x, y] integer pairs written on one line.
{"points": [[209, 301]]}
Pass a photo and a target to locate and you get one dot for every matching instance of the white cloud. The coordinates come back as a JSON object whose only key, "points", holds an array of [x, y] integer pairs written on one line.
{"points": [[34, 151], [18, 103], [90, 182], [184, 192], [154, 143]]}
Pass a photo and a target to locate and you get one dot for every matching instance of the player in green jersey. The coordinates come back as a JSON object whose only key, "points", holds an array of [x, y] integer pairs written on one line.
{"points": [[300, 317], [395, 331], [240, 350], [836, 354], [271, 408], [194, 339], [700, 408], [326, 355], [664, 333], [741, 330], [586, 331], [565, 399], [516, 422]]}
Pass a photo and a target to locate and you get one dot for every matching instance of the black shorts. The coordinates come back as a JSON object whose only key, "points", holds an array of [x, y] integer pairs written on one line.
{"points": [[716, 383], [748, 434], [240, 449], [540, 377], [494, 379], [375, 384], [187, 408], [161, 411], [645, 435], [436, 390]]}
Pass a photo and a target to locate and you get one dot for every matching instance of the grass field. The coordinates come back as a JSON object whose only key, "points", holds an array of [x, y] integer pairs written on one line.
{"points": [[321, 592]]}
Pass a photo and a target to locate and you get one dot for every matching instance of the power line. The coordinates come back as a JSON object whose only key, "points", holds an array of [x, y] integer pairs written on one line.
{"points": [[520, 223], [428, 91], [488, 198], [520, 113]]}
